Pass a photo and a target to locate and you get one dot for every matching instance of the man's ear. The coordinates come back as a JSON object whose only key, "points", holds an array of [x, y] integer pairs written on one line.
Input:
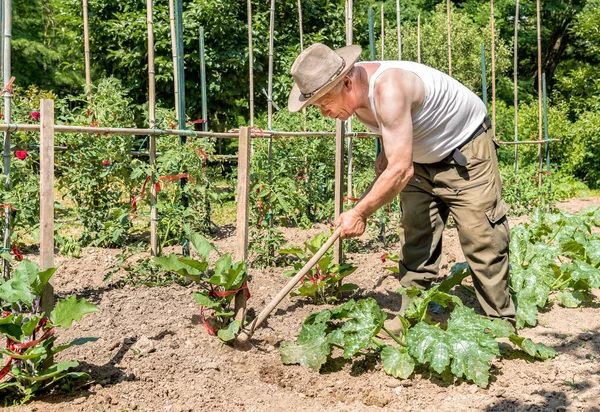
{"points": [[348, 82]]}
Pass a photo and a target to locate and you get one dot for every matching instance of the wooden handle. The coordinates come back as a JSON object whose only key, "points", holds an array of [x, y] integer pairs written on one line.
{"points": [[247, 332]]}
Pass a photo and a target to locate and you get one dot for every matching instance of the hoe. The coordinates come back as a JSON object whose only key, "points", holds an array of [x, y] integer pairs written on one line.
{"points": [[247, 332]]}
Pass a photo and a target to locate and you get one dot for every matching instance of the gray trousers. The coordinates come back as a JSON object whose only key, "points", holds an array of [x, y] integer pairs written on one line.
{"points": [[472, 194]]}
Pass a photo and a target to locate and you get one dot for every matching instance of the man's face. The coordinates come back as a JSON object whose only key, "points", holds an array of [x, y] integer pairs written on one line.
{"points": [[335, 106]]}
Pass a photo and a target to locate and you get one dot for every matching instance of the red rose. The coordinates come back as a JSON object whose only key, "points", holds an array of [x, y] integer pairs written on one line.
{"points": [[106, 162], [35, 115], [21, 154]]}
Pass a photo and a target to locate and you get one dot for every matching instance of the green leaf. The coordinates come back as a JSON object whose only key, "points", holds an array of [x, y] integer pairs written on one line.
{"points": [[308, 288], [311, 350], [30, 325], [417, 308], [570, 299], [204, 300], [537, 350], [365, 321], [186, 267], [458, 273], [17, 289], [426, 343], [70, 310], [201, 245], [52, 371], [348, 287], [584, 271], [397, 362], [229, 334], [10, 326], [75, 342]]}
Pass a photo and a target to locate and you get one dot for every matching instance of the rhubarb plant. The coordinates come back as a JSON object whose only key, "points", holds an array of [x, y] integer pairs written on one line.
{"points": [[463, 347], [27, 359], [219, 283], [323, 283]]}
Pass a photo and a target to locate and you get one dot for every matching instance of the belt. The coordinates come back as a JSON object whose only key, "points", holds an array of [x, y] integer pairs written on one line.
{"points": [[456, 154]]}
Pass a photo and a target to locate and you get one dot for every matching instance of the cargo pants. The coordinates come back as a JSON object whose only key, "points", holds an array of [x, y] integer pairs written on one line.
{"points": [[472, 195]]}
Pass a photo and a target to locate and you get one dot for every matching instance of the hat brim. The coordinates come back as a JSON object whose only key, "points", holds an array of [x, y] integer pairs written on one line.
{"points": [[297, 101]]}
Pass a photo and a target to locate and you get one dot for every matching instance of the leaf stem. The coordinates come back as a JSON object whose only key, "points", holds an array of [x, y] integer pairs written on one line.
{"points": [[396, 339], [335, 345]]}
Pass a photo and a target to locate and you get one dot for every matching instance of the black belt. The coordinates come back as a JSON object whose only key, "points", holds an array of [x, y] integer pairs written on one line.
{"points": [[460, 158]]}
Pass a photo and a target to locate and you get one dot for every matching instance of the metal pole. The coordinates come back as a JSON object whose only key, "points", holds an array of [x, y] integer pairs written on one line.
{"points": [[515, 89], [203, 81], [399, 27], [7, 119], [483, 76], [181, 98], [539, 45], [152, 124], [86, 42]]}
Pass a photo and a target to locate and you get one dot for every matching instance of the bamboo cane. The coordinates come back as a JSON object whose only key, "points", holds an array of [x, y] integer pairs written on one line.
{"points": [[539, 75], [250, 63], [7, 134], [492, 19], [152, 124], [86, 42]]}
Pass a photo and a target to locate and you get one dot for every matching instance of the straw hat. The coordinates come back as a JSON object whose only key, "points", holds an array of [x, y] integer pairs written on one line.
{"points": [[316, 70]]}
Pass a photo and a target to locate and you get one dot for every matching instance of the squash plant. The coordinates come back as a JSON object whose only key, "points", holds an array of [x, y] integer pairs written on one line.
{"points": [[323, 283], [27, 361], [219, 283]]}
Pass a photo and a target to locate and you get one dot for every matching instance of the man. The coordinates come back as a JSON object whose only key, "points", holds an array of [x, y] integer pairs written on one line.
{"points": [[438, 150]]}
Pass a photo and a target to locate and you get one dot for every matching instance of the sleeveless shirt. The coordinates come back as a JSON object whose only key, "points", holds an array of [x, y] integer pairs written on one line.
{"points": [[450, 112]]}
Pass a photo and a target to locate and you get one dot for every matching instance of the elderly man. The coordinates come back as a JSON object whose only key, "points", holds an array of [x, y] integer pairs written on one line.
{"points": [[438, 150]]}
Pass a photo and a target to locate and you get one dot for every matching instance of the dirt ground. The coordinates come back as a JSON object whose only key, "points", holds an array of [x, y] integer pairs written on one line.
{"points": [[153, 353]]}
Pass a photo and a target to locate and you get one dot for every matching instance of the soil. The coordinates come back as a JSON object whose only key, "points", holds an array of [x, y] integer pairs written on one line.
{"points": [[153, 353]]}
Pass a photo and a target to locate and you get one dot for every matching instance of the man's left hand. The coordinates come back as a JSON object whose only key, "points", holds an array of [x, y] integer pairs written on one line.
{"points": [[352, 223]]}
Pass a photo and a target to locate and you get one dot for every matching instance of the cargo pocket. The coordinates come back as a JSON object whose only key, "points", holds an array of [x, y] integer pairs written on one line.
{"points": [[497, 212]]}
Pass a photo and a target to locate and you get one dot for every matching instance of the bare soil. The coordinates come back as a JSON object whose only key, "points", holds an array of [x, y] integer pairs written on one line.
{"points": [[153, 353]]}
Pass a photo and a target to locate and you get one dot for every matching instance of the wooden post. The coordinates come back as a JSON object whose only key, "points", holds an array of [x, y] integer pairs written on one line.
{"points": [[152, 124], [492, 19], [339, 184], [399, 27], [86, 43], [419, 38], [243, 195], [270, 91], [515, 90], [539, 76], [250, 63], [449, 39], [47, 197], [174, 54]]}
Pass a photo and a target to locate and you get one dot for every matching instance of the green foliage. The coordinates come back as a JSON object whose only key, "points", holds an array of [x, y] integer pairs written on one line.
{"points": [[556, 252], [323, 283], [30, 336], [463, 347], [220, 284]]}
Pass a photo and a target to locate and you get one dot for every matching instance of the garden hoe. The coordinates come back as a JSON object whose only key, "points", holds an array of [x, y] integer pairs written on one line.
{"points": [[247, 332]]}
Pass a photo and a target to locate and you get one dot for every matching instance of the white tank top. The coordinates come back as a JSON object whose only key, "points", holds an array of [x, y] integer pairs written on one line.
{"points": [[449, 115]]}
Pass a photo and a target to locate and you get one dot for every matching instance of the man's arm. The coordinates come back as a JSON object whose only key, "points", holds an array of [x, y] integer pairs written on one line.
{"points": [[394, 96]]}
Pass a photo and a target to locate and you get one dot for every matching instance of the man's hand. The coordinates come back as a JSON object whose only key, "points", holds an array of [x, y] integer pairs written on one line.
{"points": [[353, 224]]}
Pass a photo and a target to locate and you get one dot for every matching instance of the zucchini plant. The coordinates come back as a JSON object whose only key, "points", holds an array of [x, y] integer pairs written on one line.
{"points": [[27, 361]]}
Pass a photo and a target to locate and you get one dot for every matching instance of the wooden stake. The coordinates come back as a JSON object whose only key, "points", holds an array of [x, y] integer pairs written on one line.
{"points": [[419, 38], [492, 19], [515, 89], [152, 124], [349, 143], [539, 76], [250, 63], [449, 40], [339, 184], [47, 197], [86, 41], [243, 195], [399, 27]]}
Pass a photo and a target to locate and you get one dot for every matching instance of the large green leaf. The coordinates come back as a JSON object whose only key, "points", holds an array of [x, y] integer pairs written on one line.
{"points": [[311, 350], [201, 245], [70, 310], [17, 289], [10, 326], [397, 362], [74, 342], [537, 350], [582, 271], [51, 372], [186, 267], [569, 298], [417, 307], [531, 293], [204, 300], [458, 273], [365, 321], [229, 334]]}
